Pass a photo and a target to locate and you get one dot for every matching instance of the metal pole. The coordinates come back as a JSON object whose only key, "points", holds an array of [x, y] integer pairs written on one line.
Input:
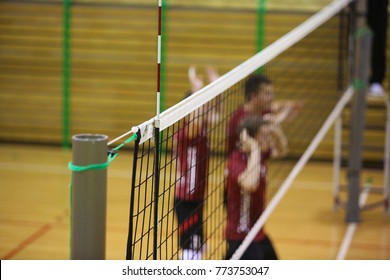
{"points": [[156, 189], [129, 251], [360, 75], [88, 201], [344, 23], [337, 154], [386, 163]]}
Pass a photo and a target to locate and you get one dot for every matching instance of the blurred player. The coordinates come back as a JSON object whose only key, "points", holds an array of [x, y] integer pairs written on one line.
{"points": [[246, 184], [259, 101], [192, 149]]}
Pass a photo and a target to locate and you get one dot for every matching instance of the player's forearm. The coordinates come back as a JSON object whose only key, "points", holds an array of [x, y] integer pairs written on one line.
{"points": [[249, 178], [279, 142], [280, 111]]}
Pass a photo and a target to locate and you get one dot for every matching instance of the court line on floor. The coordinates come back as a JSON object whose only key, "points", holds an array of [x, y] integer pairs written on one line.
{"points": [[326, 243], [35, 236], [351, 229]]}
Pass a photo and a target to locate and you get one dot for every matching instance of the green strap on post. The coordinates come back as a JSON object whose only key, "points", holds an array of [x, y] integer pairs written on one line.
{"points": [[104, 165], [359, 84], [76, 168], [132, 138], [362, 32]]}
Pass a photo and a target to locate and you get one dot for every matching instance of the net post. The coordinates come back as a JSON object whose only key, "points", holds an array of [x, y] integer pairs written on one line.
{"points": [[156, 186], [386, 163], [88, 198], [129, 249], [344, 22], [362, 41], [337, 155]]}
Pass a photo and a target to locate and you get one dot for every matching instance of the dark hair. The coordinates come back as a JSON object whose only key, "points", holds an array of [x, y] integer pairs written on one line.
{"points": [[254, 83], [252, 124]]}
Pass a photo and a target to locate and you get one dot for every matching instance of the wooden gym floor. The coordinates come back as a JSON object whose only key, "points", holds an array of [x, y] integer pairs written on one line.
{"points": [[34, 210]]}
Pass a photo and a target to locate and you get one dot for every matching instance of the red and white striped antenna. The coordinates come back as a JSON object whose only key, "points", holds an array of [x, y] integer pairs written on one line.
{"points": [[159, 58]]}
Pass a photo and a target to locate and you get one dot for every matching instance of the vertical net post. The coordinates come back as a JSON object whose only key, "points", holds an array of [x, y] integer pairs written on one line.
{"points": [[156, 188], [88, 198], [362, 42], [344, 22], [337, 155], [386, 162], [129, 250]]}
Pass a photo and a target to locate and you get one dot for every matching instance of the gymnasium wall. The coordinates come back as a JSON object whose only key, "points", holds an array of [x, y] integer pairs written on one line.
{"points": [[112, 83]]}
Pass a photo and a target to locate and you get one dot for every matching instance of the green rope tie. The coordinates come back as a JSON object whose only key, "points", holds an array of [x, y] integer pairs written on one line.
{"points": [[359, 84], [111, 157], [97, 166], [132, 138], [362, 32]]}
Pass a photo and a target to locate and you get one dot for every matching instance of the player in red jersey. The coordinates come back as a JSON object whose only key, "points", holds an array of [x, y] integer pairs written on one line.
{"points": [[259, 101], [192, 150], [246, 184]]}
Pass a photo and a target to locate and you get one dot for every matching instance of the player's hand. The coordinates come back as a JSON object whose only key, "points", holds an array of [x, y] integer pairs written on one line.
{"points": [[294, 108], [212, 74], [278, 141], [248, 144], [196, 80]]}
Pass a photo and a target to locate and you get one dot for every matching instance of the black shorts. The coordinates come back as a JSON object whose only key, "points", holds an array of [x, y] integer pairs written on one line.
{"points": [[257, 250], [190, 218]]}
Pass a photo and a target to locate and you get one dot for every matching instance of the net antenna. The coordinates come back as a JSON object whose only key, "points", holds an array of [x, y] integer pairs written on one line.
{"points": [[159, 60]]}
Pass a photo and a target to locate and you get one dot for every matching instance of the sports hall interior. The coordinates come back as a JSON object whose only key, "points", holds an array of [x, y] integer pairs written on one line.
{"points": [[113, 53]]}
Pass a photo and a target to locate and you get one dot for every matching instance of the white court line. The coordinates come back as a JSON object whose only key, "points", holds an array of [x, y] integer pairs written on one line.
{"points": [[351, 228]]}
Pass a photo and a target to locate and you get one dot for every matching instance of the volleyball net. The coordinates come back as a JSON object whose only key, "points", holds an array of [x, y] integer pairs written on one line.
{"points": [[180, 155]]}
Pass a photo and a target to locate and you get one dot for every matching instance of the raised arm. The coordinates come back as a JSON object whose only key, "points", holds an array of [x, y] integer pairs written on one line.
{"points": [[214, 115], [284, 110], [249, 178], [278, 141]]}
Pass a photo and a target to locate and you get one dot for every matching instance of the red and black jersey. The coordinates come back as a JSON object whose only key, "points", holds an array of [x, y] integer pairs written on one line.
{"points": [[243, 208], [232, 134], [192, 164]]}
